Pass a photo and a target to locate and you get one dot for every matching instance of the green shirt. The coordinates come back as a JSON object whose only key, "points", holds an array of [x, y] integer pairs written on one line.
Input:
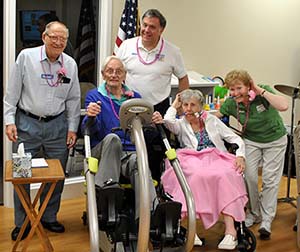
{"points": [[103, 91], [264, 122]]}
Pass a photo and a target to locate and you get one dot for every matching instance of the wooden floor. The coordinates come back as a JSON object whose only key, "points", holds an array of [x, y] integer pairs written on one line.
{"points": [[76, 238]]}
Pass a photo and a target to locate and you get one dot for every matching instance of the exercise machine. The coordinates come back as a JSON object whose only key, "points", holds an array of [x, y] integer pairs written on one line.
{"points": [[134, 114]]}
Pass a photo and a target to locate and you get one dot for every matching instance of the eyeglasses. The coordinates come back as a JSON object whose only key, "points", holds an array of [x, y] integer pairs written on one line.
{"points": [[117, 72], [56, 38]]}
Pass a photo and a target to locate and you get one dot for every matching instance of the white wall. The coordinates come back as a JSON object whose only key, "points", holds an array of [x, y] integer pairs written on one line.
{"points": [[215, 37]]}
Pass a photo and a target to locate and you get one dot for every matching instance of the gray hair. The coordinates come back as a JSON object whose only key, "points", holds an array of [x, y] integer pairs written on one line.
{"points": [[48, 27], [187, 94], [156, 13], [108, 59]]}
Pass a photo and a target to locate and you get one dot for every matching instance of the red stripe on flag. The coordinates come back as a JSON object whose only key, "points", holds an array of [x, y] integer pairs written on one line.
{"points": [[119, 41], [129, 24]]}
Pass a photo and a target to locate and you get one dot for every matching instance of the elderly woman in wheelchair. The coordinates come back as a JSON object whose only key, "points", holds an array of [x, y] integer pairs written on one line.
{"points": [[214, 175]]}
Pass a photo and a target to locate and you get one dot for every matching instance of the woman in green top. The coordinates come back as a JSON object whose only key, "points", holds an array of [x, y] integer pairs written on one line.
{"points": [[256, 109]]}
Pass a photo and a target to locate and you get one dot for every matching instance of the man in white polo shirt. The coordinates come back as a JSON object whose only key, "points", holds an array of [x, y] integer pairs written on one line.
{"points": [[150, 61]]}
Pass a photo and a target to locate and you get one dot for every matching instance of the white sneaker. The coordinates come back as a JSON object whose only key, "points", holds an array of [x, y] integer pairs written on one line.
{"points": [[229, 242], [197, 241], [251, 220]]}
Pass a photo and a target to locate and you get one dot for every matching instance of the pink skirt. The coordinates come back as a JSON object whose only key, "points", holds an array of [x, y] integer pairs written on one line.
{"points": [[215, 184]]}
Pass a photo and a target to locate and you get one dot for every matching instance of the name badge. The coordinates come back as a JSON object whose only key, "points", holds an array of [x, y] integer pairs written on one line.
{"points": [[161, 57], [66, 80], [260, 108], [47, 76]]}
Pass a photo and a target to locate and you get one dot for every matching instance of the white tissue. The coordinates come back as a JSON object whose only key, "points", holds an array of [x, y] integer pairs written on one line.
{"points": [[21, 151]]}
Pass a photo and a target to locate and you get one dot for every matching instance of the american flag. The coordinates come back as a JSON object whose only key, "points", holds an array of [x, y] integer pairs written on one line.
{"points": [[130, 23], [85, 43]]}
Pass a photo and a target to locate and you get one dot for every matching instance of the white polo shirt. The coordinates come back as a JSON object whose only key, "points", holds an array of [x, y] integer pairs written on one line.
{"points": [[152, 81]]}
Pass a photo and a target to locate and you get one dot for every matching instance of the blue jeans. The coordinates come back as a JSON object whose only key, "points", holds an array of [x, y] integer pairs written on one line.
{"points": [[50, 140]]}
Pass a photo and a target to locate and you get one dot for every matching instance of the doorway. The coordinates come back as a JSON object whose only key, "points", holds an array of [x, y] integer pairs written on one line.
{"points": [[12, 43]]}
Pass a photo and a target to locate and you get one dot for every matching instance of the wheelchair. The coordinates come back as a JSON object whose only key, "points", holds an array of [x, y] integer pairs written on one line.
{"points": [[109, 209], [246, 238]]}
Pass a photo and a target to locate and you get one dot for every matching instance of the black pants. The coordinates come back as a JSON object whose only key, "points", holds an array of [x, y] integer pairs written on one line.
{"points": [[155, 146], [163, 106]]}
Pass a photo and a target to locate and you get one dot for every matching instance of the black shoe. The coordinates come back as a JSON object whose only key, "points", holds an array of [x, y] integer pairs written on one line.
{"points": [[55, 227], [295, 227], [16, 231], [264, 234]]}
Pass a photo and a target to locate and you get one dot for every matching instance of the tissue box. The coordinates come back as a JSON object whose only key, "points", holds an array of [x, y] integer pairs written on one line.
{"points": [[22, 165]]}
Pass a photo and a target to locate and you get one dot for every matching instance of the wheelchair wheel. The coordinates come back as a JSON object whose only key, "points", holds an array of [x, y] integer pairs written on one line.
{"points": [[247, 241]]}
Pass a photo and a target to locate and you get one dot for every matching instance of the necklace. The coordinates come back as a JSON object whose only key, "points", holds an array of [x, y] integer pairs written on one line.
{"points": [[57, 82], [246, 118], [201, 130], [156, 56], [200, 133], [112, 104]]}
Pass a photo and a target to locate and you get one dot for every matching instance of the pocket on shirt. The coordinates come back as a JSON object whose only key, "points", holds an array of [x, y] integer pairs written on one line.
{"points": [[62, 90]]}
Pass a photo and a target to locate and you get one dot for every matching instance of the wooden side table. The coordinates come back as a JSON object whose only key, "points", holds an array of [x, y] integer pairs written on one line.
{"points": [[51, 174]]}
